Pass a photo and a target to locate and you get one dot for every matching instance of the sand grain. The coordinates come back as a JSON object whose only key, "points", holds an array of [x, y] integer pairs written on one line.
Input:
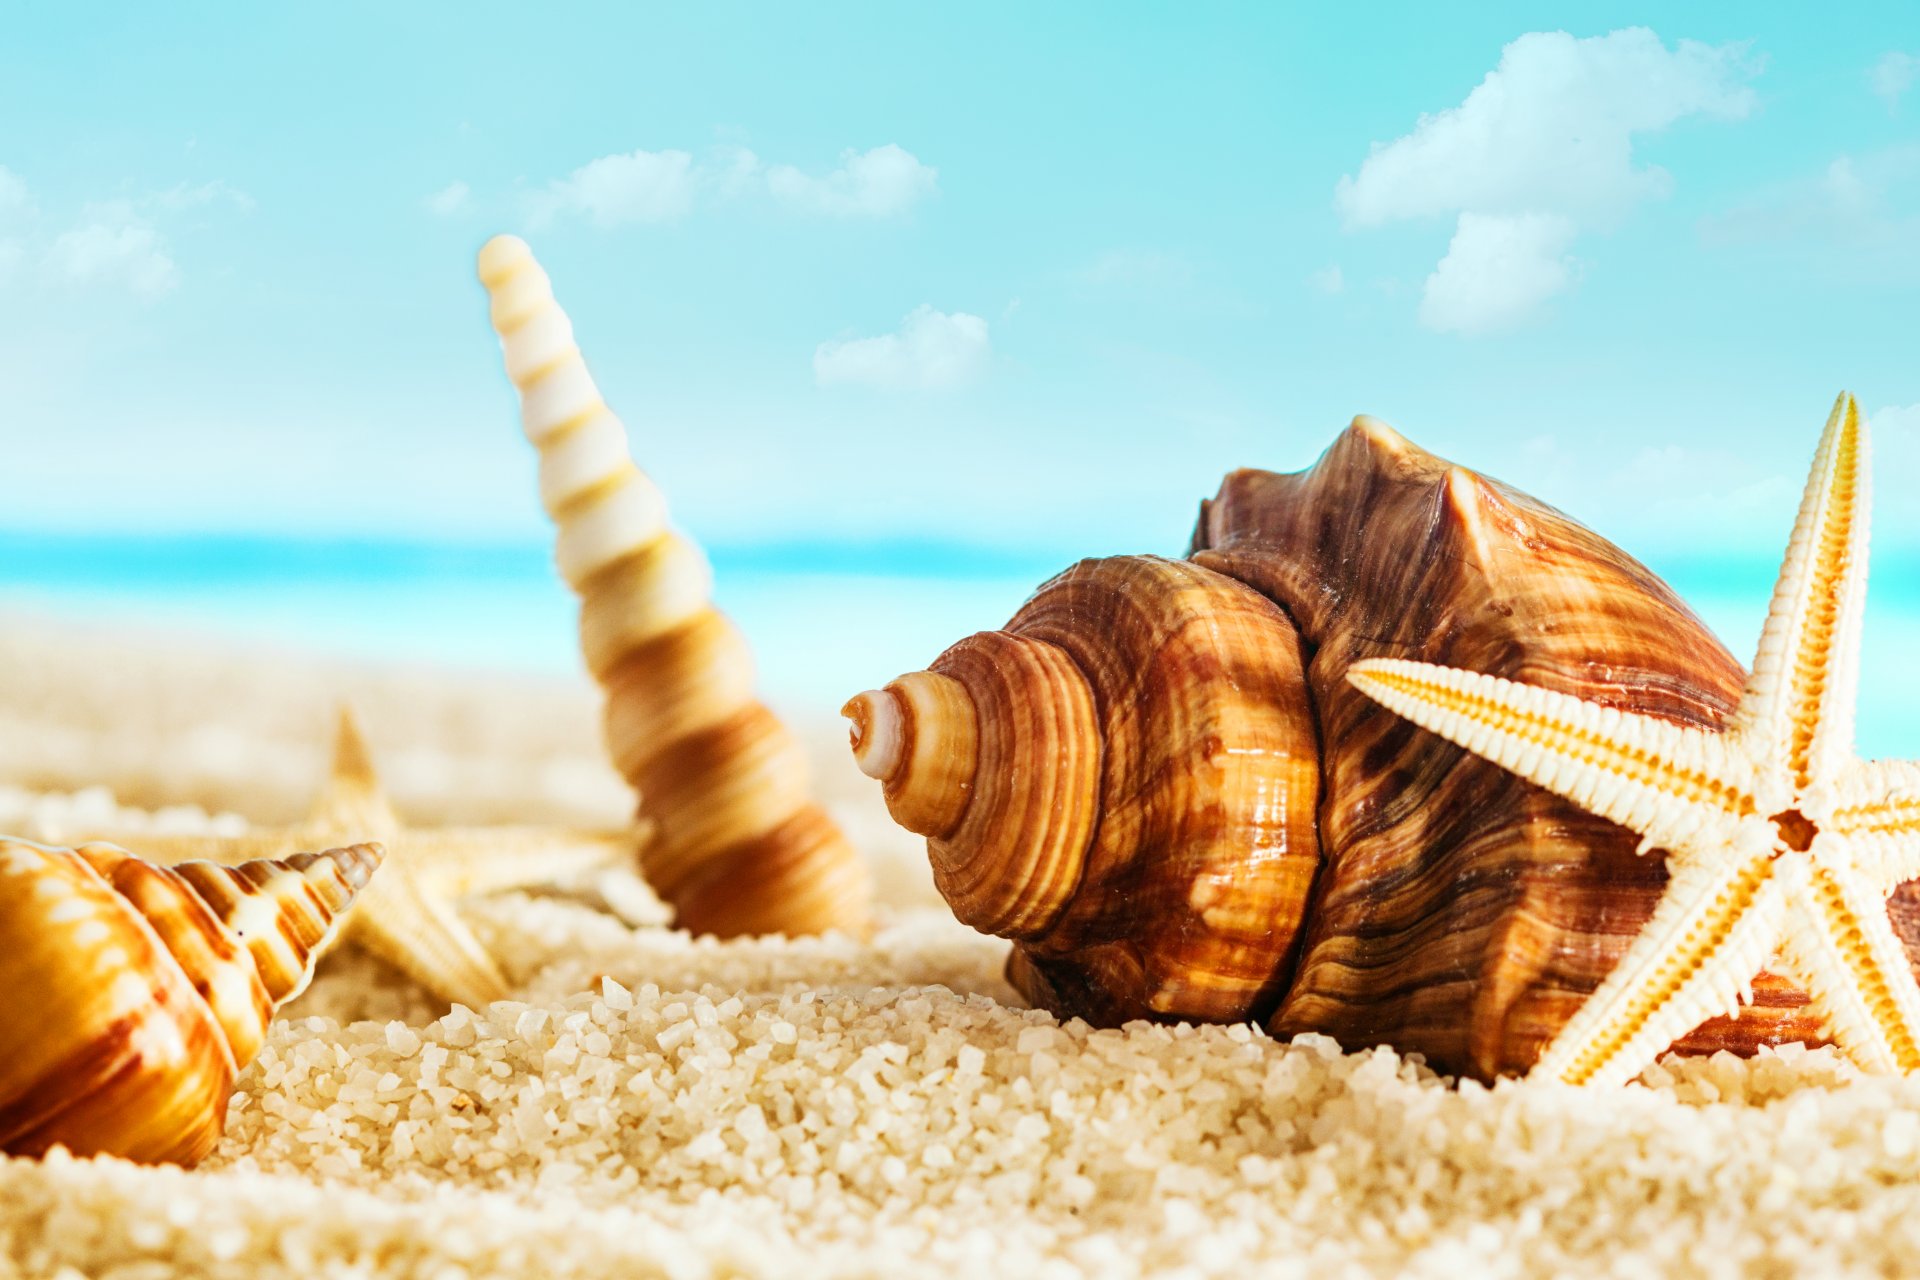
{"points": [[660, 1105]]}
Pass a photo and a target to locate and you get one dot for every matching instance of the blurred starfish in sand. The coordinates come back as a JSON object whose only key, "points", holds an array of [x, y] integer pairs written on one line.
{"points": [[1778, 838], [405, 916]]}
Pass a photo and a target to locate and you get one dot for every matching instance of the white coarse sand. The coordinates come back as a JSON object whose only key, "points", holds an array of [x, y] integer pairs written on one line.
{"points": [[657, 1105]]}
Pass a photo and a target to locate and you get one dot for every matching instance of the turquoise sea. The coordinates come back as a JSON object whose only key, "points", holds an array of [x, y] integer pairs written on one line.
{"points": [[826, 620]]}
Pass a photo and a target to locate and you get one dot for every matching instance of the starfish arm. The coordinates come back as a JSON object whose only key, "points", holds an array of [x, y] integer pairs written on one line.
{"points": [[455, 862], [353, 798], [1843, 947], [1888, 860], [1671, 784], [404, 916], [1877, 808], [1714, 929], [1798, 710], [423, 937]]}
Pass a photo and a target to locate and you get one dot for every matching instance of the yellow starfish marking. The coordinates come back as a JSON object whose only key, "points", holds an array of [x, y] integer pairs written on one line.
{"points": [[409, 921], [1779, 841]]}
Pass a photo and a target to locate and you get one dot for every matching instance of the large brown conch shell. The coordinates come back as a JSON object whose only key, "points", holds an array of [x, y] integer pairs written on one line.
{"points": [[1158, 783], [135, 993], [739, 847]]}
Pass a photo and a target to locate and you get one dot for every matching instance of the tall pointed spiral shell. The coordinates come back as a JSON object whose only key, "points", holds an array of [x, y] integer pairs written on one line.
{"points": [[739, 847], [1173, 802], [136, 993]]}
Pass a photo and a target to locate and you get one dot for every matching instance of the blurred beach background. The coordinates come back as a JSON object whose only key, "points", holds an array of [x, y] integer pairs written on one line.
{"points": [[827, 621], [906, 316]]}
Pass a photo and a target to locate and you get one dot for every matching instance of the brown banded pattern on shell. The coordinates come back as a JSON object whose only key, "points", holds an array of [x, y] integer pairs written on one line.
{"points": [[1137, 811], [1461, 912], [137, 992], [739, 847], [1400, 891]]}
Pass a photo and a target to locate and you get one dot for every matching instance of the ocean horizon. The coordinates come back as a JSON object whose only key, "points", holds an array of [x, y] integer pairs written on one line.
{"points": [[826, 619]]}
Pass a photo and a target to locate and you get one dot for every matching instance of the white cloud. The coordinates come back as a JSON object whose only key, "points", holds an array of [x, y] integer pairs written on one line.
{"points": [[113, 246], [661, 186], [1866, 208], [932, 351], [1892, 76], [1684, 490], [638, 186], [1329, 280], [455, 197], [1539, 151], [730, 171], [1498, 269], [872, 184], [1550, 130]]}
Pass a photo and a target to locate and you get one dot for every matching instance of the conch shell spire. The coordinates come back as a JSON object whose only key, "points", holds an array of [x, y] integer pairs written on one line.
{"points": [[740, 848], [920, 736], [138, 992]]}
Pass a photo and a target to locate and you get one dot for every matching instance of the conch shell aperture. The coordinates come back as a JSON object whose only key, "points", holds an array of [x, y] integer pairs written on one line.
{"points": [[136, 993], [1176, 805]]}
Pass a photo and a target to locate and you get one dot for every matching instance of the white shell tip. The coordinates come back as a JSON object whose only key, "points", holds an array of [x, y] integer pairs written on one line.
{"points": [[501, 255], [877, 732]]}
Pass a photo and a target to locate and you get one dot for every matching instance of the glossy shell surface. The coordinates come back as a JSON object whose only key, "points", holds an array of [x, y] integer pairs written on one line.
{"points": [[739, 845], [137, 992], [1254, 838]]}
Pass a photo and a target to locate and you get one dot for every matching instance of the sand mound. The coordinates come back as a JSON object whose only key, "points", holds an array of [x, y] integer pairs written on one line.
{"points": [[658, 1105]]}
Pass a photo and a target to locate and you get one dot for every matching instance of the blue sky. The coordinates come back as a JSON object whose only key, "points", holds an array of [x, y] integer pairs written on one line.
{"points": [[1009, 276]]}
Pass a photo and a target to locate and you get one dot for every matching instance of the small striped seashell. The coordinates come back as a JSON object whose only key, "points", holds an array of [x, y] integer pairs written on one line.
{"points": [[739, 846], [136, 993]]}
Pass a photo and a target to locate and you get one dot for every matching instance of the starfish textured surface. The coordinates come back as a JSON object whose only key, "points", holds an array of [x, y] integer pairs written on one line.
{"points": [[409, 920], [1779, 842]]}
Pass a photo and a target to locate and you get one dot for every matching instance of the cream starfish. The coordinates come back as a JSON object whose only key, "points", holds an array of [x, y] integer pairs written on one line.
{"points": [[1778, 840], [409, 921]]}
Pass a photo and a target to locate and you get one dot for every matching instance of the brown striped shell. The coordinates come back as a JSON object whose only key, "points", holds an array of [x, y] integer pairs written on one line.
{"points": [[136, 993], [1178, 807], [739, 845], [1134, 704]]}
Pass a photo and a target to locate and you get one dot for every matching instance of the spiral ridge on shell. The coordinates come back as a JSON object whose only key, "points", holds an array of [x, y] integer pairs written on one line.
{"points": [[1159, 784], [739, 848], [1122, 781], [138, 992]]}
